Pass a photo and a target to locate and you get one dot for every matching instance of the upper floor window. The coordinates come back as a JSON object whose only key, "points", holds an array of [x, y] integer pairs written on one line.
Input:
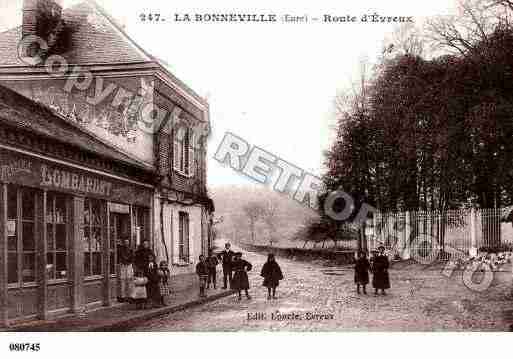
{"points": [[183, 151]]}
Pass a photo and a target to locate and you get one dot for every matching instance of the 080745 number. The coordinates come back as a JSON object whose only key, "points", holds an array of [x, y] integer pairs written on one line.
{"points": [[24, 347]]}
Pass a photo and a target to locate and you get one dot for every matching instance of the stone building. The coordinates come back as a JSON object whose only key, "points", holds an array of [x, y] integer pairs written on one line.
{"points": [[105, 142]]}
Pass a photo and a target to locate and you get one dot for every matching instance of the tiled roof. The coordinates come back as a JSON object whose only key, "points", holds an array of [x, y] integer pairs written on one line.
{"points": [[21, 112], [95, 39]]}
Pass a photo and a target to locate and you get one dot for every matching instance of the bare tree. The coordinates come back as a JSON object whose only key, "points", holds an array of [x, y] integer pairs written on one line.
{"points": [[508, 4], [474, 21], [406, 39], [355, 99], [270, 215], [253, 211]]}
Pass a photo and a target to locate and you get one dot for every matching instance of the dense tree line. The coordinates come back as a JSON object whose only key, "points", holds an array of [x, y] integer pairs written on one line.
{"points": [[432, 133]]}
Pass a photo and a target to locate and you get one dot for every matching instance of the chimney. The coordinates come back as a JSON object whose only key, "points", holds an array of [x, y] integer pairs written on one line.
{"points": [[42, 18]]}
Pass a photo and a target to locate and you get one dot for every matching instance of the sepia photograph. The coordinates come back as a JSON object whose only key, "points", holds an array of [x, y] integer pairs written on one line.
{"points": [[187, 167]]}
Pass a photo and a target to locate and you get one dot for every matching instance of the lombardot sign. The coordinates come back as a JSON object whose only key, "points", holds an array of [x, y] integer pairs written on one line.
{"points": [[57, 178]]}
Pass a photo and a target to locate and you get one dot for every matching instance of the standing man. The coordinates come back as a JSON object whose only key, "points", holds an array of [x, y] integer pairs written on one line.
{"points": [[142, 256], [226, 257]]}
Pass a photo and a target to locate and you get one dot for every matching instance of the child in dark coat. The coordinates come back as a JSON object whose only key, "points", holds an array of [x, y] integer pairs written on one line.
{"points": [[212, 263], [272, 274], [240, 280], [202, 272], [361, 272], [152, 273]]}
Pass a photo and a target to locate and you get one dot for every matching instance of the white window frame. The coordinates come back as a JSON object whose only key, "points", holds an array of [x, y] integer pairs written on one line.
{"points": [[184, 154]]}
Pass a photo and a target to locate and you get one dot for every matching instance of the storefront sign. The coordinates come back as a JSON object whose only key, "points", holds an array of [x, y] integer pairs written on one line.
{"points": [[15, 168], [11, 227], [119, 208], [27, 171], [52, 177]]}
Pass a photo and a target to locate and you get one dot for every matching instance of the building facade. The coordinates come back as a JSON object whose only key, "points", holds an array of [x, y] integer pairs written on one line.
{"points": [[125, 158]]}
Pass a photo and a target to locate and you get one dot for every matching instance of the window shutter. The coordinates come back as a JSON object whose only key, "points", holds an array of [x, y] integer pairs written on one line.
{"points": [[185, 147], [176, 154], [191, 151], [164, 150], [183, 155]]}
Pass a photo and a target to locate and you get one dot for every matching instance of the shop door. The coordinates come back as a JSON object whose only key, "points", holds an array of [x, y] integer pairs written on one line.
{"points": [[119, 232]]}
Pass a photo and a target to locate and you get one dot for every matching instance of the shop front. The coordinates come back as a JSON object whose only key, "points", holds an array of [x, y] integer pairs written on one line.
{"points": [[60, 225]]}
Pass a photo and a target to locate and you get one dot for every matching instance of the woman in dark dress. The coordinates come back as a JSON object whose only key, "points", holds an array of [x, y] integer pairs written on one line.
{"points": [[380, 279], [272, 274], [240, 280], [361, 272]]}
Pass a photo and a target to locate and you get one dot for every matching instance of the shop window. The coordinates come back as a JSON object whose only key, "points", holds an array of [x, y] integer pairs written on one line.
{"points": [[56, 237], [92, 241], [141, 220], [21, 236], [183, 237]]}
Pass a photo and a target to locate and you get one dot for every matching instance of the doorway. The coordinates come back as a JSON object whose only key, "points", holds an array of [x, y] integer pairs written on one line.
{"points": [[119, 232]]}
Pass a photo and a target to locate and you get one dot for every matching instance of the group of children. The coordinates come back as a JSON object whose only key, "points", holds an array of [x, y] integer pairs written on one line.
{"points": [[151, 285], [206, 270], [272, 274]]}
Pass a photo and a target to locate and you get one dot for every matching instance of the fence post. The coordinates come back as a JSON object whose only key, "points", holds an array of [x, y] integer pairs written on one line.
{"points": [[405, 247], [473, 243]]}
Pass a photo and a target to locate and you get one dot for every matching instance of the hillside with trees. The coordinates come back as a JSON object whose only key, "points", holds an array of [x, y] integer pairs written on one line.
{"points": [[258, 215]]}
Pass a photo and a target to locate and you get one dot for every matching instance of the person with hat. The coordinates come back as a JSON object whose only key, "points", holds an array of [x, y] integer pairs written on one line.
{"points": [[380, 278], [240, 280], [226, 258]]}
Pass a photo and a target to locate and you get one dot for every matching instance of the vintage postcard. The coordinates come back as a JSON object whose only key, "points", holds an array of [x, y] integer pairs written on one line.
{"points": [[266, 166]]}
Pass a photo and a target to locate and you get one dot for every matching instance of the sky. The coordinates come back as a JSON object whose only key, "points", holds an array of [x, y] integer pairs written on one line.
{"points": [[271, 84]]}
